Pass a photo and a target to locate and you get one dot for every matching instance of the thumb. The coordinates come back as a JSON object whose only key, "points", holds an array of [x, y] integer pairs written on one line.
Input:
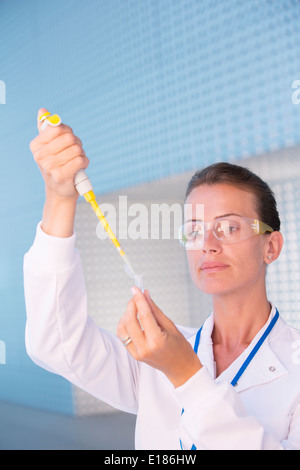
{"points": [[39, 123]]}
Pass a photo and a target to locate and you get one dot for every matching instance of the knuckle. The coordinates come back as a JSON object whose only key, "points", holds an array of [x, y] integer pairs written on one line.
{"points": [[77, 149], [65, 127], [32, 145], [155, 345], [78, 163], [48, 166], [35, 144], [78, 140], [58, 176], [59, 130], [69, 139], [143, 313], [37, 156]]}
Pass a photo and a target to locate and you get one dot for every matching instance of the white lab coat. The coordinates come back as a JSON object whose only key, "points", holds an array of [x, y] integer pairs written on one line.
{"points": [[261, 412]]}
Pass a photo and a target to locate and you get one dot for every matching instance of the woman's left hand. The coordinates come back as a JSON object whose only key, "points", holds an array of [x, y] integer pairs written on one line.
{"points": [[155, 339]]}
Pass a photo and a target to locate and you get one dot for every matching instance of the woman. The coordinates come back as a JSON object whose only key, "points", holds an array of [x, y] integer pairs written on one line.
{"points": [[233, 383]]}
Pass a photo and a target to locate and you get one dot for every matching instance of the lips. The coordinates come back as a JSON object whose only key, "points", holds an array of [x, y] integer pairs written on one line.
{"points": [[213, 266]]}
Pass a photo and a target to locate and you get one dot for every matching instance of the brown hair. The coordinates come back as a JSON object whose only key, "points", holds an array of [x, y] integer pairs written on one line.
{"points": [[241, 177]]}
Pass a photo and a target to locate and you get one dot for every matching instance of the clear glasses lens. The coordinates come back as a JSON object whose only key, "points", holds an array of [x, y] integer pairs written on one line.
{"points": [[228, 230]]}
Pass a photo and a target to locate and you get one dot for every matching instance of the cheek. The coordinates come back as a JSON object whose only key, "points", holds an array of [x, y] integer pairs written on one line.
{"points": [[250, 252], [193, 258], [247, 263]]}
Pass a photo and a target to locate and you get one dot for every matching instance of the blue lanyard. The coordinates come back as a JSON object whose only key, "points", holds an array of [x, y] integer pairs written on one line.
{"points": [[245, 363], [252, 353]]}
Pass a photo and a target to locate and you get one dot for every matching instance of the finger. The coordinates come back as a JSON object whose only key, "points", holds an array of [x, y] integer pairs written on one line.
{"points": [[69, 154], [160, 317], [133, 325], [62, 142], [68, 170], [52, 132], [130, 323], [48, 135], [123, 335], [47, 160], [145, 314], [129, 329]]}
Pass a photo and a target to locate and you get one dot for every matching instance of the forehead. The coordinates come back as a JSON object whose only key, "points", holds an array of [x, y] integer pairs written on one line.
{"points": [[220, 199]]}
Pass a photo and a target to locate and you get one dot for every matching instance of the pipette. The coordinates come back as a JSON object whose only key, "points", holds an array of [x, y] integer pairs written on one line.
{"points": [[85, 189]]}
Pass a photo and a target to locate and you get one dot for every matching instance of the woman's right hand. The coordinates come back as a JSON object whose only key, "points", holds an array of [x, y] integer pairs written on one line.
{"points": [[59, 156]]}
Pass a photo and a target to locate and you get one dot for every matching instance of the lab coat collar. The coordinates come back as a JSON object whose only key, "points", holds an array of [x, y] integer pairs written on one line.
{"points": [[265, 366]]}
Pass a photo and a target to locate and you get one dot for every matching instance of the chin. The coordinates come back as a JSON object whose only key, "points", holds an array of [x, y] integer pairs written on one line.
{"points": [[212, 289]]}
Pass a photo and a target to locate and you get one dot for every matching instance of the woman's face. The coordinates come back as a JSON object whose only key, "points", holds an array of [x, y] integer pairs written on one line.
{"points": [[219, 268]]}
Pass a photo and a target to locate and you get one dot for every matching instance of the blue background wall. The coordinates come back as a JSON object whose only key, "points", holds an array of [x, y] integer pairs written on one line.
{"points": [[153, 88]]}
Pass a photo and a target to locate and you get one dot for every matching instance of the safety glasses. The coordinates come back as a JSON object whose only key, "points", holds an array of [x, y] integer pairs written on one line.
{"points": [[228, 230]]}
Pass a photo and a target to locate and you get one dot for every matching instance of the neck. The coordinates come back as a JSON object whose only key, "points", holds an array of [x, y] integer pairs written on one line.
{"points": [[238, 318]]}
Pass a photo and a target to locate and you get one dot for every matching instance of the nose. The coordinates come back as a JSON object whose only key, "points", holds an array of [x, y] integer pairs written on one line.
{"points": [[210, 242]]}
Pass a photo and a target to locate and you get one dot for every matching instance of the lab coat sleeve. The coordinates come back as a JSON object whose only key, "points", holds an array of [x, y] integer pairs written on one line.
{"points": [[61, 337], [214, 418]]}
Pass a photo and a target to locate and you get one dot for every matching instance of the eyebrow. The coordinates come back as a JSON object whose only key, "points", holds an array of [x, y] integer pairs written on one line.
{"points": [[218, 217]]}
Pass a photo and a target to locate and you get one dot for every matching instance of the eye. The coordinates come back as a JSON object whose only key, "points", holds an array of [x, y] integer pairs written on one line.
{"points": [[227, 228], [197, 231], [192, 235], [232, 228], [193, 231]]}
